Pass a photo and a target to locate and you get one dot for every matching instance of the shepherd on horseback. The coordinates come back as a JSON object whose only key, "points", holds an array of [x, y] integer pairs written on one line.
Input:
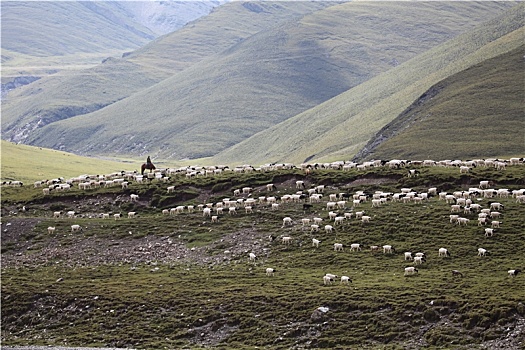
{"points": [[148, 165]]}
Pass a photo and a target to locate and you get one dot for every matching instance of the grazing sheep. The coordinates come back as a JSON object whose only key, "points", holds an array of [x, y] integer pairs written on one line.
{"points": [[513, 273], [482, 252], [134, 197], [314, 228], [365, 219], [105, 216], [252, 256], [345, 280], [131, 214], [410, 270], [286, 239], [374, 248], [206, 212], [287, 221], [328, 228], [327, 280], [408, 256], [214, 218], [171, 189], [495, 224], [232, 210], [418, 260], [71, 214], [489, 232], [443, 252], [116, 216], [56, 214], [299, 184], [315, 242], [355, 247], [305, 221], [388, 249], [270, 271], [75, 228], [50, 229], [338, 247]]}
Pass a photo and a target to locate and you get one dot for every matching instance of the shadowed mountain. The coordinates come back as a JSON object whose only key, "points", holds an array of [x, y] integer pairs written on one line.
{"points": [[340, 127], [476, 112], [265, 79]]}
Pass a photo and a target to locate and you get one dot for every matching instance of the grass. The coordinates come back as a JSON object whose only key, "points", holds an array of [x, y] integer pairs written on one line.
{"points": [[230, 303]]}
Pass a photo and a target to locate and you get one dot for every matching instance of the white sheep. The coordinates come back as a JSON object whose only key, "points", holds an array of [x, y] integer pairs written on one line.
{"points": [[134, 197], [410, 270], [365, 219], [328, 228], [287, 221], [314, 228], [513, 273], [252, 256], [131, 214], [270, 271], [345, 280], [286, 240], [315, 242], [70, 214], [105, 216], [171, 189], [388, 249], [51, 229], [482, 252], [327, 280], [214, 218], [443, 252], [489, 232], [338, 247], [418, 260], [206, 212], [495, 224], [75, 228], [408, 256], [355, 247]]}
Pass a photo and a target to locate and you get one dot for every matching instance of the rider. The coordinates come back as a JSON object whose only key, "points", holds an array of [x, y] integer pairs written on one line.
{"points": [[148, 161]]}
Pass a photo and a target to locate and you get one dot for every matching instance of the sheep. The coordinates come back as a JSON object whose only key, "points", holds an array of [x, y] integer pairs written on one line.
{"points": [[248, 209], [75, 228], [252, 256], [134, 197], [286, 240], [496, 206], [443, 252], [495, 214], [489, 232], [339, 220], [338, 247], [270, 187], [315, 242], [345, 280], [50, 230], [355, 247], [482, 252], [214, 218], [495, 224], [327, 280], [70, 214], [418, 260], [359, 214], [305, 221], [232, 210], [374, 248], [330, 205], [270, 271], [314, 228], [328, 228], [388, 249], [299, 184], [246, 190], [365, 219], [484, 184], [287, 221], [116, 216], [463, 221], [482, 221], [206, 212], [236, 192], [56, 214], [408, 256], [131, 214], [171, 189], [410, 270], [513, 273]]}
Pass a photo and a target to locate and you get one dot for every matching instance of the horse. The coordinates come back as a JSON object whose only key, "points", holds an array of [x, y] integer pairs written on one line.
{"points": [[145, 166]]}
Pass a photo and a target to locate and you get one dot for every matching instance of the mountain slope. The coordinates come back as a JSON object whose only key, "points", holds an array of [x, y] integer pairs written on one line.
{"points": [[264, 80], [339, 128], [65, 95], [461, 116]]}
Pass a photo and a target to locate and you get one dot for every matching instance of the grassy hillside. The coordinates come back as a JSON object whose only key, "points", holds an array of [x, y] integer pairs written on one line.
{"points": [[38, 37], [458, 110], [180, 281], [340, 127], [262, 80], [69, 94], [29, 164]]}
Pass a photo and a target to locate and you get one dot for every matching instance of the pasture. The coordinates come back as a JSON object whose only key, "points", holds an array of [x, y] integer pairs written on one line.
{"points": [[179, 280]]}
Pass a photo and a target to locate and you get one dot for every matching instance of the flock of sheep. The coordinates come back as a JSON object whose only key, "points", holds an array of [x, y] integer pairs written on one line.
{"points": [[462, 202]]}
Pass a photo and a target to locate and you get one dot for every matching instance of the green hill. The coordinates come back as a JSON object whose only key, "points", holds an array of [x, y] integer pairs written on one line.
{"points": [[270, 76], [472, 113], [340, 127]]}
